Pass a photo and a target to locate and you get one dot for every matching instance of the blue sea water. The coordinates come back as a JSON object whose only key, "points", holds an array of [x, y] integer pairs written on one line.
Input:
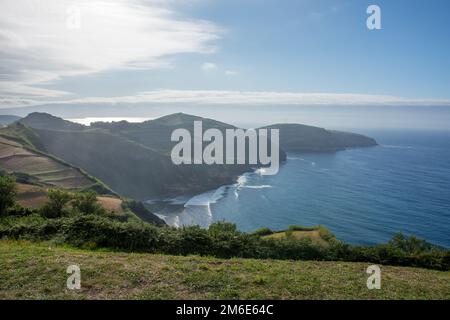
{"points": [[364, 196]]}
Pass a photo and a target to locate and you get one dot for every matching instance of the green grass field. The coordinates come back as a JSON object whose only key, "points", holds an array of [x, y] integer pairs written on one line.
{"points": [[38, 271]]}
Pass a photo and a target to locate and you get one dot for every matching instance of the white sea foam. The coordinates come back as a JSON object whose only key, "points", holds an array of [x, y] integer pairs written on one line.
{"points": [[295, 158], [397, 147], [263, 186], [205, 199]]}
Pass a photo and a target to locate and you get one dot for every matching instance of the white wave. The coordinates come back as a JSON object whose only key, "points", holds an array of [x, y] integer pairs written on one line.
{"points": [[295, 158], [263, 186], [397, 147], [242, 180], [205, 199]]}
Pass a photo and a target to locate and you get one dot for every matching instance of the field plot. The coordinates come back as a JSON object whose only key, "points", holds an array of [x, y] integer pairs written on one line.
{"points": [[47, 171]]}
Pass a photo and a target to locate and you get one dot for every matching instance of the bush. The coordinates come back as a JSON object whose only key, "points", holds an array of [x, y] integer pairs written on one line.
{"points": [[86, 203], [56, 203], [8, 192], [17, 210], [301, 228], [221, 240]]}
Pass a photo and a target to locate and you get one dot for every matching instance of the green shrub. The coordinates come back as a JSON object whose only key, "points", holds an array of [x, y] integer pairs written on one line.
{"points": [[18, 210], [86, 203], [221, 240], [56, 203], [301, 228], [8, 190]]}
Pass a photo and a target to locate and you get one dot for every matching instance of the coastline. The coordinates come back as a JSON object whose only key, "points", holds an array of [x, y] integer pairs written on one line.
{"points": [[196, 209]]}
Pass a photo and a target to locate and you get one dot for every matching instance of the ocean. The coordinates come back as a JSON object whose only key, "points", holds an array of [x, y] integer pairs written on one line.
{"points": [[364, 196]]}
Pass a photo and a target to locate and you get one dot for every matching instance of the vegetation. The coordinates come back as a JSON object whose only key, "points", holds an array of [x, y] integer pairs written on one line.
{"points": [[38, 271], [57, 201], [68, 224], [78, 220], [7, 193], [220, 240], [86, 203]]}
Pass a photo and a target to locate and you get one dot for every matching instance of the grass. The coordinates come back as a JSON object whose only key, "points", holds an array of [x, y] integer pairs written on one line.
{"points": [[38, 271], [318, 235], [313, 235]]}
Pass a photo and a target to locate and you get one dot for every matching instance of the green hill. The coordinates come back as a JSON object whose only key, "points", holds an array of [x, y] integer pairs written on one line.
{"points": [[38, 271], [301, 138], [134, 158]]}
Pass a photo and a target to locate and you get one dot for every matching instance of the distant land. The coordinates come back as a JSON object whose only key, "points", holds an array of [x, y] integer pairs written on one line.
{"points": [[7, 119], [133, 159]]}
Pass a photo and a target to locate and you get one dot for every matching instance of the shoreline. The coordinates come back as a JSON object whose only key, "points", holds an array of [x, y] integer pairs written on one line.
{"points": [[195, 209]]}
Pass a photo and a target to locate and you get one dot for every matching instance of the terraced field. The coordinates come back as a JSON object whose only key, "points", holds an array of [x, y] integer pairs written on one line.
{"points": [[47, 171]]}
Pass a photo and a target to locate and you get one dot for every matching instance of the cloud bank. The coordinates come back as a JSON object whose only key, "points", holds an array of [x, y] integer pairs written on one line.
{"points": [[43, 41], [243, 98]]}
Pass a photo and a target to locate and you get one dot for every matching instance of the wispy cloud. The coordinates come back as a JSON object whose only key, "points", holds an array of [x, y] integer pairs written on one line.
{"points": [[208, 66], [43, 41], [231, 73], [247, 98]]}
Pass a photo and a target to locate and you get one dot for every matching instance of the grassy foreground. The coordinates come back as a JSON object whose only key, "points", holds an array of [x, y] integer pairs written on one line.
{"points": [[38, 271]]}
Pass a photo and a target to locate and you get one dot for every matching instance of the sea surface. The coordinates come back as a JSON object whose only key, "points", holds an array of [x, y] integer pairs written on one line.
{"points": [[364, 196]]}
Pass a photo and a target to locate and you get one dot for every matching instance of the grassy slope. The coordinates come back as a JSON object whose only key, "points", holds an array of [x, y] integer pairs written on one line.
{"points": [[38, 272], [313, 235]]}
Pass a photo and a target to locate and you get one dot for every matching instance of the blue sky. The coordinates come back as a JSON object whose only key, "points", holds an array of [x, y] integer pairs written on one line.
{"points": [[190, 48]]}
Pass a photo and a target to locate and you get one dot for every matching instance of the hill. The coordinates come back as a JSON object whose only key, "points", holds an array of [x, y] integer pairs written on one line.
{"points": [[302, 138], [37, 171], [113, 275], [134, 158]]}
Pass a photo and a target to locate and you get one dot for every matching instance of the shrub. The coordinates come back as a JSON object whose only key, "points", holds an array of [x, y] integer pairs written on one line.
{"points": [[86, 203], [8, 192], [56, 203], [221, 240], [18, 210], [301, 228]]}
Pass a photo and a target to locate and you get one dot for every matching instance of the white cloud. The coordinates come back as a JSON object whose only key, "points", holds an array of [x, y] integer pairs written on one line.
{"points": [[231, 73], [246, 98], [208, 66], [40, 42]]}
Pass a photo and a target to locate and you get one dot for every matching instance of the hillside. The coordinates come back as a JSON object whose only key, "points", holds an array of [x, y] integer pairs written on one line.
{"points": [[134, 158], [112, 275], [40, 169], [301, 138], [37, 171]]}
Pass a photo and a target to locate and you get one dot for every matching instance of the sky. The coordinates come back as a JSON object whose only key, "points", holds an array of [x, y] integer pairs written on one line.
{"points": [[224, 52]]}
